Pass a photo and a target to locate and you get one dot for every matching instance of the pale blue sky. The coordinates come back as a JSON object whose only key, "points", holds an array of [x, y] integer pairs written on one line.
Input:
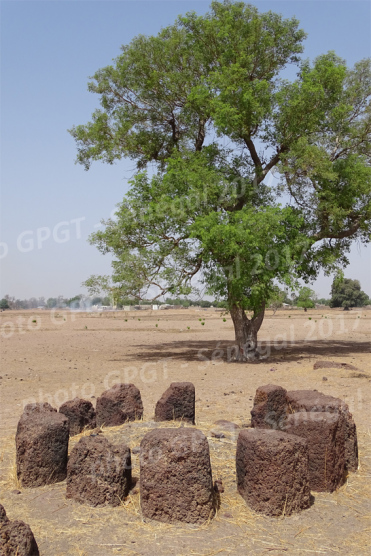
{"points": [[48, 51]]}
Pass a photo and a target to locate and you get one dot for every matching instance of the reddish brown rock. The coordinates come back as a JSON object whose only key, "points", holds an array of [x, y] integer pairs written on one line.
{"points": [[118, 405], [313, 401], [16, 537], [98, 473], [272, 471], [80, 413], [324, 433], [175, 476], [41, 446], [177, 403], [270, 407]]}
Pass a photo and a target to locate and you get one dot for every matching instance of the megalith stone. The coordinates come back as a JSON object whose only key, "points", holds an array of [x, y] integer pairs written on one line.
{"points": [[324, 433], [80, 413], [272, 471], [119, 404], [270, 407], [175, 476], [41, 446], [177, 403], [16, 537], [98, 472], [313, 401]]}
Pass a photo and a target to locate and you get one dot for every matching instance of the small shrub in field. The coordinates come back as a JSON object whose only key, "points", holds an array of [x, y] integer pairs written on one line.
{"points": [[203, 324], [188, 328], [309, 318], [200, 320], [156, 325], [34, 321], [224, 320]]}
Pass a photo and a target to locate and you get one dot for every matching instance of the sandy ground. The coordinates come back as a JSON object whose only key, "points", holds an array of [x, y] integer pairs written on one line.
{"points": [[55, 356]]}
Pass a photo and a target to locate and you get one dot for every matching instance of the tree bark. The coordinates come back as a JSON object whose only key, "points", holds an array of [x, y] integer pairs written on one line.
{"points": [[246, 333]]}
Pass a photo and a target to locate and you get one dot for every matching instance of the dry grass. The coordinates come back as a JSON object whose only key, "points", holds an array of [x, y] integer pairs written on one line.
{"points": [[259, 534]]}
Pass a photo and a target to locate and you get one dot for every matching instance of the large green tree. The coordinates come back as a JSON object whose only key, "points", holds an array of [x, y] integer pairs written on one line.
{"points": [[204, 111], [347, 293], [306, 298]]}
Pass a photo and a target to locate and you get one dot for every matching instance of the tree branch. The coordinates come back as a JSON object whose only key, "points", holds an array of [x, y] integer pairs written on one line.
{"points": [[254, 155], [340, 235]]}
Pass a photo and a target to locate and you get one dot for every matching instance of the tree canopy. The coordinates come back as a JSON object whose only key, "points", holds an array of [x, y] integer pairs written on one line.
{"points": [[347, 293], [306, 298], [204, 111], [4, 304]]}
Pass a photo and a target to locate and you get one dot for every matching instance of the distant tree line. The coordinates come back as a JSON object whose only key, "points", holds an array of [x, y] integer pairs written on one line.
{"points": [[59, 302], [345, 293]]}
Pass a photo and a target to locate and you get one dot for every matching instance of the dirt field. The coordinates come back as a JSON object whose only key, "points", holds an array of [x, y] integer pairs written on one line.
{"points": [[55, 356]]}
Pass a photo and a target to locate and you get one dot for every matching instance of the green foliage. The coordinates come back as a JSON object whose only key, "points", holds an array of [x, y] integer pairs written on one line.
{"points": [[4, 304], [205, 104], [74, 302], [324, 301], [51, 302], [306, 298], [347, 293]]}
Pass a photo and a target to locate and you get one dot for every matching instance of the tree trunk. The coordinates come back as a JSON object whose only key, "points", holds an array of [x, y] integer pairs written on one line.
{"points": [[246, 333]]}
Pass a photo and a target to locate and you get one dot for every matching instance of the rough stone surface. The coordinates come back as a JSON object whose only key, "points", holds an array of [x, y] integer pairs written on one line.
{"points": [[41, 446], [80, 413], [313, 401], [175, 476], [272, 471], [16, 537], [119, 404], [177, 403], [98, 473], [324, 433], [270, 407]]}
